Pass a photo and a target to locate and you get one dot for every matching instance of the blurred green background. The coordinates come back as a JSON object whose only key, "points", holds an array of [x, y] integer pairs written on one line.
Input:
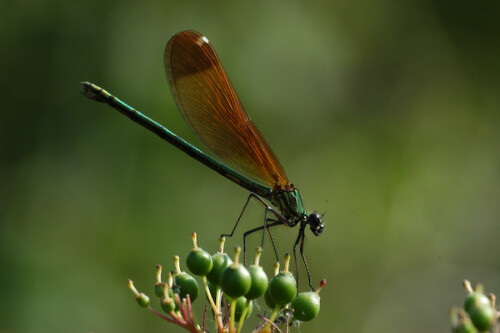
{"points": [[385, 114]]}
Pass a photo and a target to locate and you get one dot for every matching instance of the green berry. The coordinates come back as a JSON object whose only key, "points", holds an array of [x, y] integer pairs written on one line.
{"points": [[306, 306], [168, 305], [259, 282], [467, 327], [480, 310], [159, 289], [143, 300], [476, 300], [220, 262], [199, 262], [186, 285], [282, 288], [240, 305], [483, 317], [235, 280], [268, 299], [167, 299], [158, 284]]}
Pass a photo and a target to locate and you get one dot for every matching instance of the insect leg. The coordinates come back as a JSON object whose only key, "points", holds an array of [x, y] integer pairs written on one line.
{"points": [[251, 231], [252, 195], [278, 221], [300, 238], [304, 259]]}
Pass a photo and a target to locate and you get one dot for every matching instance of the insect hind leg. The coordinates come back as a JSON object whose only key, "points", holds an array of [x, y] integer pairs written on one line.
{"points": [[277, 221], [264, 227]]}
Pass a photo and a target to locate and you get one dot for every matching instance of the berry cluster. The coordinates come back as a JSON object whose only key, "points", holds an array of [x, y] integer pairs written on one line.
{"points": [[231, 289], [479, 313]]}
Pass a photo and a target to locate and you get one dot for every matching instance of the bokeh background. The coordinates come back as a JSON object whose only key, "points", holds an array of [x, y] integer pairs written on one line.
{"points": [[385, 114]]}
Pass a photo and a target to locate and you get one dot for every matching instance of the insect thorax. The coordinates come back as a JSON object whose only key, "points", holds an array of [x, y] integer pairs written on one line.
{"points": [[289, 202]]}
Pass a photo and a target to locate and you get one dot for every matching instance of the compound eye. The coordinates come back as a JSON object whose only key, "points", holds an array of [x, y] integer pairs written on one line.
{"points": [[315, 219], [316, 224]]}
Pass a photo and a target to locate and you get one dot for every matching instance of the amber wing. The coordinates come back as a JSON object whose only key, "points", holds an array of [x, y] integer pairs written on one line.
{"points": [[208, 102]]}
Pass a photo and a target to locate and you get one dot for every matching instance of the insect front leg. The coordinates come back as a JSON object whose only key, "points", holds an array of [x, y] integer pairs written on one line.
{"points": [[278, 220], [300, 239], [304, 259], [264, 227]]}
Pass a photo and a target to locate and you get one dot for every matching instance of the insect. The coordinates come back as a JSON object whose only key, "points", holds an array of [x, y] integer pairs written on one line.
{"points": [[210, 105]]}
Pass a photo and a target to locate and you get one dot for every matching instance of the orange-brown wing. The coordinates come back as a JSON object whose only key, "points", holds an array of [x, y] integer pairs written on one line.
{"points": [[209, 104]]}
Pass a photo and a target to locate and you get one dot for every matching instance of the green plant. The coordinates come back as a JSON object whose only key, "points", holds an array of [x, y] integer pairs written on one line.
{"points": [[479, 313], [234, 283]]}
